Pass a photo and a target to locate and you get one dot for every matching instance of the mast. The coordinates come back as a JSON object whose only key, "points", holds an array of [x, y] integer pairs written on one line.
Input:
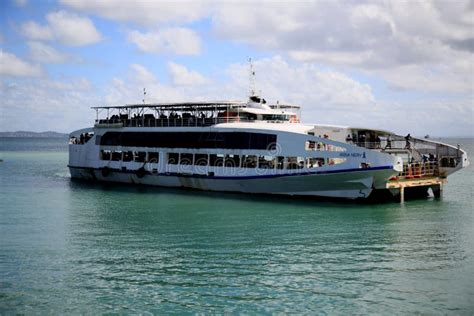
{"points": [[251, 79]]}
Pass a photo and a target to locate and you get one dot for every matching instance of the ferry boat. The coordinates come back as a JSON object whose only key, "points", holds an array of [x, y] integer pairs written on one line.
{"points": [[255, 147]]}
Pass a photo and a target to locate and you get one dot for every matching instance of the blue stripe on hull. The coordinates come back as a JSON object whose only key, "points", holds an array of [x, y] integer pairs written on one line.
{"points": [[248, 177]]}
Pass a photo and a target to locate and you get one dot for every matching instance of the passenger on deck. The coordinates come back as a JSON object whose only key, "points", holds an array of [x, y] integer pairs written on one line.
{"points": [[81, 139], [389, 142], [348, 138], [362, 140], [377, 142], [407, 141]]}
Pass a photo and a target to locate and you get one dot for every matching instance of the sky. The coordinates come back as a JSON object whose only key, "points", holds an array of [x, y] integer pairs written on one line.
{"points": [[404, 66]]}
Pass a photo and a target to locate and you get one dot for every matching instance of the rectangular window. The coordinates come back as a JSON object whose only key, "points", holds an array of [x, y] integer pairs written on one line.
{"points": [[153, 157], [116, 155], [280, 162], [232, 161], [212, 159], [225, 140], [140, 156], [200, 159], [336, 161], [173, 158], [249, 161], [314, 162], [105, 154], [218, 160], [127, 156], [186, 159], [301, 161], [310, 145], [292, 163], [266, 162]]}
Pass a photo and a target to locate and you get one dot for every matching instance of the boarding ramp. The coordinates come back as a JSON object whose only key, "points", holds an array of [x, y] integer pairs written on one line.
{"points": [[426, 163]]}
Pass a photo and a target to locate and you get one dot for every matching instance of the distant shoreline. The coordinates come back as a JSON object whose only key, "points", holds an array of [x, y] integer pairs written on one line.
{"points": [[19, 134]]}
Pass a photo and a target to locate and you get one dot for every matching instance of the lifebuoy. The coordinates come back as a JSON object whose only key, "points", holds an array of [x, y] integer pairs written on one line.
{"points": [[105, 171]]}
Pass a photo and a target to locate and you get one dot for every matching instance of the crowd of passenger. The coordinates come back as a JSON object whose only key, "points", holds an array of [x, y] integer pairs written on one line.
{"points": [[83, 138], [150, 120]]}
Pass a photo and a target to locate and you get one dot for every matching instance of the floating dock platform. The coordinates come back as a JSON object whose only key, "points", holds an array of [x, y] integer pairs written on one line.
{"points": [[414, 187]]}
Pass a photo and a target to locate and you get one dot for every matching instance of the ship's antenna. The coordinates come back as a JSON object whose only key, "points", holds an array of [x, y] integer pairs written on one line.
{"points": [[144, 94], [251, 78]]}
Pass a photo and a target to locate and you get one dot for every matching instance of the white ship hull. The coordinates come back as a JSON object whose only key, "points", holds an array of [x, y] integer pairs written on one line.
{"points": [[235, 147], [350, 185]]}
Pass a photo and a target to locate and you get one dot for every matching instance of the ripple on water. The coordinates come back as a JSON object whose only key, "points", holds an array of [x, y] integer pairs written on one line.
{"points": [[69, 247]]}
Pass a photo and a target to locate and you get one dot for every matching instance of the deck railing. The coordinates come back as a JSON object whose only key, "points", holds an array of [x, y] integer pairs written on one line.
{"points": [[419, 170], [394, 144], [171, 122]]}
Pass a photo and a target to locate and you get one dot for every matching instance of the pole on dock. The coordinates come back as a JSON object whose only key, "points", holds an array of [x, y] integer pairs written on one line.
{"points": [[437, 190], [402, 194]]}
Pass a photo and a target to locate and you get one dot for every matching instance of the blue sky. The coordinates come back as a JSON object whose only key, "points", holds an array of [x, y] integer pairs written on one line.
{"points": [[403, 66]]}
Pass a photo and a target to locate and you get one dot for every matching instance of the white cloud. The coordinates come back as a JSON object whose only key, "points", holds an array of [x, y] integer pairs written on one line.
{"points": [[128, 89], [181, 76], [61, 105], [33, 30], [21, 3], [72, 29], [327, 96], [431, 79], [14, 66], [67, 28], [142, 74], [143, 11], [46, 54], [305, 84], [438, 118], [180, 41], [382, 38]]}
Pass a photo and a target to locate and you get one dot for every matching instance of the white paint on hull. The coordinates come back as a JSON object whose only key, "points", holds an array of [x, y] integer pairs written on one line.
{"points": [[350, 185]]}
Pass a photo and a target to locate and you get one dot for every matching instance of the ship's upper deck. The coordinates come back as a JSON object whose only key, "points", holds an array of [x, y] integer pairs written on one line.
{"points": [[194, 114]]}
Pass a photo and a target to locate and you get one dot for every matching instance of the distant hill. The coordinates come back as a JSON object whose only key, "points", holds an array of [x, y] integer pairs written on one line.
{"points": [[47, 134]]}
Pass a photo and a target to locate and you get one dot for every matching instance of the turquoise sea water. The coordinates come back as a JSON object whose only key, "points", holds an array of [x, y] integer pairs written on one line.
{"points": [[70, 247]]}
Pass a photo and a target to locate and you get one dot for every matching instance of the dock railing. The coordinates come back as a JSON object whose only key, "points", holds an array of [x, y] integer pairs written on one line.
{"points": [[419, 170]]}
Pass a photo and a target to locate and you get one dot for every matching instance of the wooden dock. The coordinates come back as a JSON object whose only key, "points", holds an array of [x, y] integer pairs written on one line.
{"points": [[400, 184]]}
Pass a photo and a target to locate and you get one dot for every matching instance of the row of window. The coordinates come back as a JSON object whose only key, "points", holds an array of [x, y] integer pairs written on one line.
{"points": [[320, 146], [224, 140], [127, 156], [221, 160]]}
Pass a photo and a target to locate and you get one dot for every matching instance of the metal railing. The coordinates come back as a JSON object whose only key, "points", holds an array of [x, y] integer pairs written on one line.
{"points": [[394, 144], [172, 122], [419, 170]]}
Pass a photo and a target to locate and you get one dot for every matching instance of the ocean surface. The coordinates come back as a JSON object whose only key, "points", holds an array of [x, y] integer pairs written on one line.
{"points": [[69, 247]]}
